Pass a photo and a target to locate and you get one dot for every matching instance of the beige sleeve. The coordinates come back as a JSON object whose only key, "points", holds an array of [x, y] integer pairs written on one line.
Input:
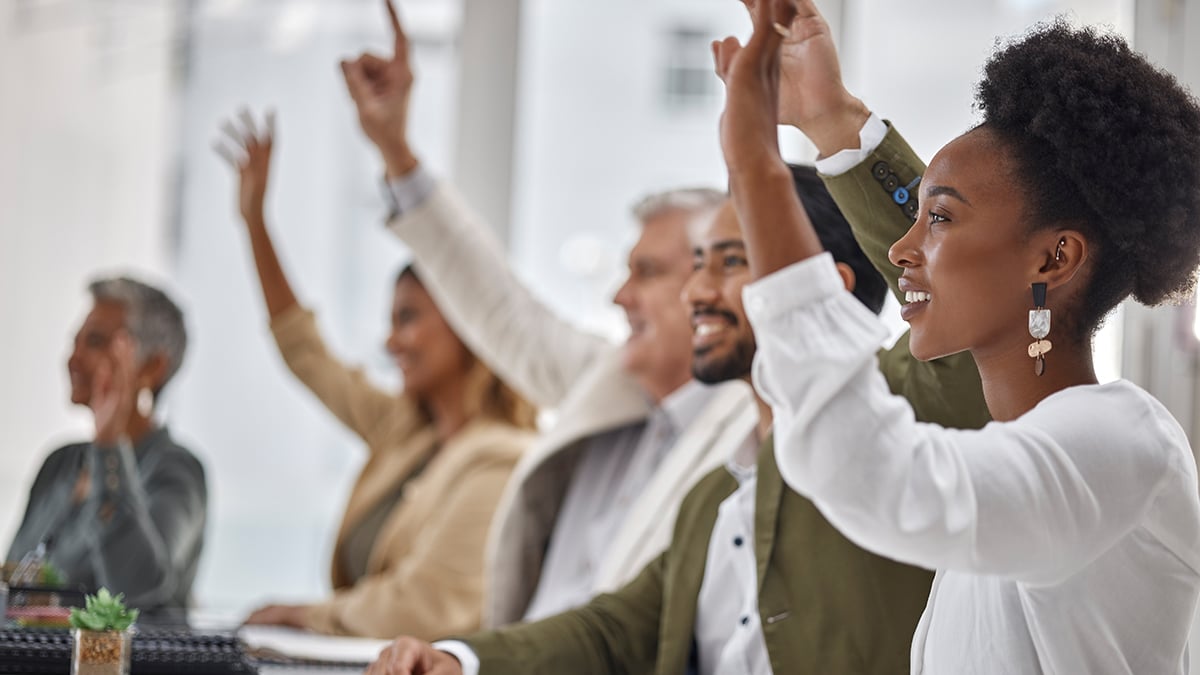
{"points": [[375, 415], [438, 589]]}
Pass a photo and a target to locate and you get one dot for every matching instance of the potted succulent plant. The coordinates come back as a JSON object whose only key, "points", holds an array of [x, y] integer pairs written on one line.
{"points": [[103, 632]]}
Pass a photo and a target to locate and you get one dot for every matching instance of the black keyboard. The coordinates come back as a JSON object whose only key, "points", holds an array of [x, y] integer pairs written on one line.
{"points": [[155, 652]]}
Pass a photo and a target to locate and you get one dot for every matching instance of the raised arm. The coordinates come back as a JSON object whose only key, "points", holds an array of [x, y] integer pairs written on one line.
{"points": [[345, 391], [461, 262], [875, 200], [1031, 499], [250, 157]]}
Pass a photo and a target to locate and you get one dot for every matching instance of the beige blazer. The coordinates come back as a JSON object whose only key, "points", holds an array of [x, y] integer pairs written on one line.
{"points": [[425, 570], [555, 365]]}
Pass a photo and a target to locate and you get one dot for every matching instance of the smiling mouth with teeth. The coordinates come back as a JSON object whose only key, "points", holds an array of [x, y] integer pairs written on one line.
{"points": [[916, 296], [707, 329]]}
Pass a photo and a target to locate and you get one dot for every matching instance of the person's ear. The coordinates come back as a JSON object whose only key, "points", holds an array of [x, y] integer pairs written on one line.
{"points": [[153, 372], [848, 277], [1060, 256]]}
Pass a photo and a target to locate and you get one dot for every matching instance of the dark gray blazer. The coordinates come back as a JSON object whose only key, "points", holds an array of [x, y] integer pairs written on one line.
{"points": [[139, 532]]}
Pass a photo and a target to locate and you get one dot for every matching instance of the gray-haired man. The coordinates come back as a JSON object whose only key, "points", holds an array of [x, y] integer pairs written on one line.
{"points": [[596, 498]]}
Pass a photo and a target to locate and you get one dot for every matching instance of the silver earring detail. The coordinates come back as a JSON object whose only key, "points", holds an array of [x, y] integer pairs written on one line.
{"points": [[145, 402], [1039, 328], [1058, 250]]}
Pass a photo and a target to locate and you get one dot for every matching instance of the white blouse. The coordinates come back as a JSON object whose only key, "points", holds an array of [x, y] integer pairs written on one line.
{"points": [[1067, 541]]}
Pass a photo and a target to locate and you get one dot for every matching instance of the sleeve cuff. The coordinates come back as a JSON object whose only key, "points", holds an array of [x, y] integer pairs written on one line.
{"points": [[869, 139], [803, 283], [408, 192], [461, 651]]}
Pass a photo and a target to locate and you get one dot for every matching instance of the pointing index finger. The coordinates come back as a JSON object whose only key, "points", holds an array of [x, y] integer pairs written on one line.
{"points": [[397, 29]]}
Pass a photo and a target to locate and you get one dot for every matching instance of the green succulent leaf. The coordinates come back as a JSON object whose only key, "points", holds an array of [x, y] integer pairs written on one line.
{"points": [[103, 611]]}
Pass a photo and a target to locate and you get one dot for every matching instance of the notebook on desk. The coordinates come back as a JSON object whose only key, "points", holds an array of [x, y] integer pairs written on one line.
{"points": [[288, 645]]}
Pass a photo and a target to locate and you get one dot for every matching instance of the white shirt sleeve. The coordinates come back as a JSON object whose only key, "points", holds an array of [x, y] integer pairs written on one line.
{"points": [[869, 138], [408, 192], [461, 651], [1034, 499]]}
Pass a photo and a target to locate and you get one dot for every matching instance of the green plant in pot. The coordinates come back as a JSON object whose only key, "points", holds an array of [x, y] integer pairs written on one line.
{"points": [[103, 632]]}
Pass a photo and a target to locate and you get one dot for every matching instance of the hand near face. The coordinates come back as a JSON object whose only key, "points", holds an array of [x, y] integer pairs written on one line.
{"points": [[114, 389], [380, 89], [294, 616], [410, 656], [248, 151], [749, 134]]}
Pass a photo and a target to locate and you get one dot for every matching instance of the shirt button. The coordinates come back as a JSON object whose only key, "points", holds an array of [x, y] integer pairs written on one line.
{"points": [[880, 170], [737, 541], [113, 483], [745, 620], [111, 462]]}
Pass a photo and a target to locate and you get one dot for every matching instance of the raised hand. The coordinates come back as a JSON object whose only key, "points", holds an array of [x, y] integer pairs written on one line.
{"points": [[410, 656], [812, 96], [749, 124], [380, 88], [776, 229], [114, 390], [248, 150]]}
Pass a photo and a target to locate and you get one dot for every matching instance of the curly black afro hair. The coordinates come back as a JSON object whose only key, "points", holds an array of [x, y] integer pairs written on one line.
{"points": [[1106, 143]]}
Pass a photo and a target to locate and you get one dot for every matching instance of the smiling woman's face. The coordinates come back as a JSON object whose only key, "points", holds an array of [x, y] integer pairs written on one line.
{"points": [[969, 253]]}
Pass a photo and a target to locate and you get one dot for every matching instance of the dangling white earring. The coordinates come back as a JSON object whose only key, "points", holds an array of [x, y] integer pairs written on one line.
{"points": [[1039, 328], [145, 402]]}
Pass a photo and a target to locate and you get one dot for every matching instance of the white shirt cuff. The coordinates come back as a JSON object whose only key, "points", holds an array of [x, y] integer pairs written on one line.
{"points": [[461, 651], [802, 283], [869, 138], [409, 192]]}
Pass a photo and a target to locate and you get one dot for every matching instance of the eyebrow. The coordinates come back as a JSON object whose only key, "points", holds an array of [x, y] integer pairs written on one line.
{"points": [[935, 190], [721, 245]]}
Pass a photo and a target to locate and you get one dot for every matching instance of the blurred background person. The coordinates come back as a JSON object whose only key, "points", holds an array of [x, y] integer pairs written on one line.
{"points": [[440, 453], [125, 510]]}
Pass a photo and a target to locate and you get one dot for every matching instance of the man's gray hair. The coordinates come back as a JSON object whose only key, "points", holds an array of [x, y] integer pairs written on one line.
{"points": [[684, 199], [154, 322], [699, 202]]}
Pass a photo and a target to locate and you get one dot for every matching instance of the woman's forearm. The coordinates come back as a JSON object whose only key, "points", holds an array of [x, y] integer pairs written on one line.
{"points": [[276, 289]]}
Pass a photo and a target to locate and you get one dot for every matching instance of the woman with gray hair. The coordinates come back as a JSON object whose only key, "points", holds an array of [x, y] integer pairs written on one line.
{"points": [[125, 510]]}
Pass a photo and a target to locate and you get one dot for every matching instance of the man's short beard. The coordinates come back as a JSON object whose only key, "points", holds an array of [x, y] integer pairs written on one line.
{"points": [[735, 366]]}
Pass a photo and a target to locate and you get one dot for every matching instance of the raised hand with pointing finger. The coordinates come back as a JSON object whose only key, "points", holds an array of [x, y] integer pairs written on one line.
{"points": [[380, 88]]}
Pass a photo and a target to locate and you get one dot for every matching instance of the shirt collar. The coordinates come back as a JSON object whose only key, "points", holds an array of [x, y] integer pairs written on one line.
{"points": [[743, 463], [682, 406]]}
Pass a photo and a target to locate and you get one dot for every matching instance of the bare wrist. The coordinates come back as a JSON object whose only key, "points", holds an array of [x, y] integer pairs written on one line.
{"points": [[398, 160], [838, 129]]}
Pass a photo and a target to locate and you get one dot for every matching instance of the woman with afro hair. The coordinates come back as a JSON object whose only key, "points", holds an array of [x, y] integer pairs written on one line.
{"points": [[1066, 533]]}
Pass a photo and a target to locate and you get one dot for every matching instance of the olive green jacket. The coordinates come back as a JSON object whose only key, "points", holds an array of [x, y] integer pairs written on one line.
{"points": [[827, 606]]}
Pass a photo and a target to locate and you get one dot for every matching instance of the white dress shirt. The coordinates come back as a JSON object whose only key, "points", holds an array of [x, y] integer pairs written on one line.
{"points": [[1068, 540], [611, 473], [728, 629], [608, 477]]}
